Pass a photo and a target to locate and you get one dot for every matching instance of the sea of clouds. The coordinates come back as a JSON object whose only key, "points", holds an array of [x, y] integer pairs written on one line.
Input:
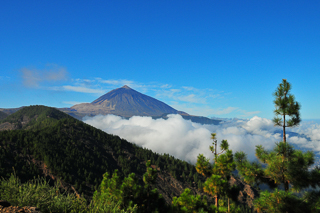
{"points": [[186, 140]]}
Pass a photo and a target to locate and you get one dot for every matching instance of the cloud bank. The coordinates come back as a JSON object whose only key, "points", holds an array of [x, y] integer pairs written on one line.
{"points": [[186, 140]]}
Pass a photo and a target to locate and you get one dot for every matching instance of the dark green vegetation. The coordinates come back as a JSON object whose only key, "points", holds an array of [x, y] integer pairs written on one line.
{"points": [[54, 145], [218, 175], [34, 118], [50, 144], [38, 192]]}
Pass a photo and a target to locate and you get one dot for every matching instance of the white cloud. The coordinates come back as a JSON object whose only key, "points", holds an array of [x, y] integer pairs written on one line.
{"points": [[33, 77], [165, 86], [72, 102], [186, 140], [192, 98], [82, 89], [248, 114], [120, 82], [312, 131], [202, 110], [224, 111]]}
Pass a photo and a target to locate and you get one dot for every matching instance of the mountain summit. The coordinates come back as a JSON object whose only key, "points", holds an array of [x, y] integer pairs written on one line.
{"points": [[125, 102]]}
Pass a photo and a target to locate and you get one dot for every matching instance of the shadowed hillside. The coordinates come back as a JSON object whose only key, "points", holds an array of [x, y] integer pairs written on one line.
{"points": [[3, 115], [46, 142], [50, 143]]}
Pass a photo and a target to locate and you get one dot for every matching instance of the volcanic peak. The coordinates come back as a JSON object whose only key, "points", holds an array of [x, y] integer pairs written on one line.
{"points": [[126, 87], [125, 102]]}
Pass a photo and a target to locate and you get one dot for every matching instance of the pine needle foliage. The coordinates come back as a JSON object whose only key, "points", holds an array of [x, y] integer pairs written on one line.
{"points": [[189, 203], [283, 166], [285, 105], [219, 172]]}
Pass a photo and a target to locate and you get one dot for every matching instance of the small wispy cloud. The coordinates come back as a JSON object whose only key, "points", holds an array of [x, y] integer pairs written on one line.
{"points": [[188, 94], [34, 77], [120, 82], [165, 86], [82, 89], [192, 98], [72, 102], [203, 110], [247, 114], [224, 111]]}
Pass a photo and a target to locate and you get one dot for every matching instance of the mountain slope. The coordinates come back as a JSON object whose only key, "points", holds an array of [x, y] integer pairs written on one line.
{"points": [[125, 102], [9, 111], [56, 146], [79, 155], [3, 115]]}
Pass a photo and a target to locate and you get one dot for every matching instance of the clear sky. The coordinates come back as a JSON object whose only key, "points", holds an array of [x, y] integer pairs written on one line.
{"points": [[210, 58]]}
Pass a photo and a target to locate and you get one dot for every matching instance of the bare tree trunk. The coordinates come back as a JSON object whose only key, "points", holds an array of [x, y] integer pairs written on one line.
{"points": [[217, 202], [284, 129], [286, 183]]}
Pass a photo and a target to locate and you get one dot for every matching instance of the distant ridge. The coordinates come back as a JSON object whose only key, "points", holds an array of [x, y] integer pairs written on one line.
{"points": [[3, 115], [125, 102], [27, 117]]}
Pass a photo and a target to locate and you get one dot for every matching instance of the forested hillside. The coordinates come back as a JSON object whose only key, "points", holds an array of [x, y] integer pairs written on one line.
{"points": [[52, 143], [47, 143]]}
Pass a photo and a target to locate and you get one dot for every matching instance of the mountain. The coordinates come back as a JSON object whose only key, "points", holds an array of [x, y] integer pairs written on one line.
{"points": [[125, 102], [54, 145]]}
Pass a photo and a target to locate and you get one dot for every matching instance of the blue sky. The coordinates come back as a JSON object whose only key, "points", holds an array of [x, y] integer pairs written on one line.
{"points": [[210, 58]]}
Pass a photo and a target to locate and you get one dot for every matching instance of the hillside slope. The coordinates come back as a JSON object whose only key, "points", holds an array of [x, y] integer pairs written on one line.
{"points": [[56, 146], [33, 117], [3, 115], [79, 154]]}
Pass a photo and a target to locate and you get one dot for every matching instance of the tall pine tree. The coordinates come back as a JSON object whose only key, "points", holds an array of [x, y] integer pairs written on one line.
{"points": [[285, 106], [218, 174], [283, 166]]}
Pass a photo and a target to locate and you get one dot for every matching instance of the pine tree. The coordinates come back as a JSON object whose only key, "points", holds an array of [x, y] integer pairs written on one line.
{"points": [[218, 173], [283, 166], [285, 106], [189, 203]]}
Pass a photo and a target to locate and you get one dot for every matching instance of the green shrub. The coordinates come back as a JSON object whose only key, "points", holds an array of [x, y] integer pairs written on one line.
{"points": [[40, 194]]}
